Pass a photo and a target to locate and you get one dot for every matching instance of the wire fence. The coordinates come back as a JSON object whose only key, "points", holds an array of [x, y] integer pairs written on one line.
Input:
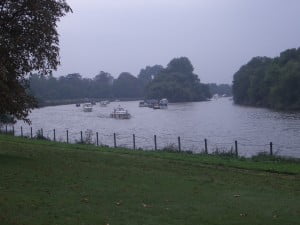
{"points": [[163, 142]]}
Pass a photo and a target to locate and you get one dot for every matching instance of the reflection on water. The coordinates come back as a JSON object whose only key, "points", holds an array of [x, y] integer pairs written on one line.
{"points": [[219, 121]]}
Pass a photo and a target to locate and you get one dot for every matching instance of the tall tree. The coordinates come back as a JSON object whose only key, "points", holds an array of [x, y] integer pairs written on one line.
{"points": [[28, 43], [178, 83], [126, 86], [267, 82]]}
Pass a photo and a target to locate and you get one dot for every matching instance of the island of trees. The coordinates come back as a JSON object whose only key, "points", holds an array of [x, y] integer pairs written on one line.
{"points": [[270, 82], [177, 82]]}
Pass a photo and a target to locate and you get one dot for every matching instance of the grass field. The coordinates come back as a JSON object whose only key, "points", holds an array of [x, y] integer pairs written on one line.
{"points": [[51, 183]]}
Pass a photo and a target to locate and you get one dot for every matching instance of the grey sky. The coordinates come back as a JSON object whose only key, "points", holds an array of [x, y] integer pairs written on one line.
{"points": [[218, 36]]}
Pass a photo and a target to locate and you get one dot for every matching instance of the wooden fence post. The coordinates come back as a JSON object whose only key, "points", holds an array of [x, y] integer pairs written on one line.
{"points": [[21, 131], [205, 145], [42, 131], [97, 136], [54, 136], [115, 140], [133, 136], [179, 144], [81, 138], [271, 148], [31, 132], [155, 143], [236, 149], [67, 137]]}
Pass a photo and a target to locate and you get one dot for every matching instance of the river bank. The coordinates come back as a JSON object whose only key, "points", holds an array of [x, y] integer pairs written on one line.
{"points": [[53, 183]]}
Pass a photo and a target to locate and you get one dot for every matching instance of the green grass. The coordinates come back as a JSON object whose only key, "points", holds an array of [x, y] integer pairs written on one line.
{"points": [[45, 183]]}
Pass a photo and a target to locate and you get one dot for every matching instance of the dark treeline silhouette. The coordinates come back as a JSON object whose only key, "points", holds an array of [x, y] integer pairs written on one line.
{"points": [[270, 82], [177, 82], [220, 89]]}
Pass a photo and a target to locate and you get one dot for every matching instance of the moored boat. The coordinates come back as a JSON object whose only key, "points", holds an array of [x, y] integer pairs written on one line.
{"points": [[163, 103], [120, 113], [143, 104], [87, 107], [104, 103]]}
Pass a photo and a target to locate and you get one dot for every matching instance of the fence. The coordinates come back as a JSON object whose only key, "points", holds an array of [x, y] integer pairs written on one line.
{"points": [[138, 142]]}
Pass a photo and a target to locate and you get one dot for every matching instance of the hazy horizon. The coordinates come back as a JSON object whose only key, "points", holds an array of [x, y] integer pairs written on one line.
{"points": [[217, 36]]}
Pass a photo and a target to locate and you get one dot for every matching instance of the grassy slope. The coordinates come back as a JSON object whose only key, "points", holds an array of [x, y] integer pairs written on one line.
{"points": [[51, 183]]}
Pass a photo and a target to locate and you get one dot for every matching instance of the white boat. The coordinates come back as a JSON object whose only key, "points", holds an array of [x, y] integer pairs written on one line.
{"points": [[87, 107], [120, 113], [163, 103], [143, 104], [215, 97], [104, 103]]}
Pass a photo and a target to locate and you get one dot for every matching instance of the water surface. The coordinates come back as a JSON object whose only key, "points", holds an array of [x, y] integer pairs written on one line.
{"points": [[219, 121]]}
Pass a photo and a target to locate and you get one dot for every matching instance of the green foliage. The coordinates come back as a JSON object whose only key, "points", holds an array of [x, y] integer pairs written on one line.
{"points": [[28, 42], [267, 82], [178, 83], [6, 119], [126, 86], [220, 89]]}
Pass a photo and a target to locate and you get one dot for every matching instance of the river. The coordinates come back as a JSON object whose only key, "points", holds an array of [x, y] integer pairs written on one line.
{"points": [[219, 121]]}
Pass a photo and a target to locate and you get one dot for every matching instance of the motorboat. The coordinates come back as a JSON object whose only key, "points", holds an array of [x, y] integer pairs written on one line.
{"points": [[77, 104], [156, 106], [163, 103], [215, 97], [120, 113], [104, 103], [143, 104], [87, 107]]}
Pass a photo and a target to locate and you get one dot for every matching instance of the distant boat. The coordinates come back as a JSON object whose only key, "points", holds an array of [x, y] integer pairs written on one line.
{"points": [[120, 113], [156, 106], [163, 103], [143, 104], [215, 97], [104, 103], [87, 107], [77, 104]]}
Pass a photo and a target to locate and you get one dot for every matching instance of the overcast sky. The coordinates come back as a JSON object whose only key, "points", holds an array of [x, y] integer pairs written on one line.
{"points": [[218, 36]]}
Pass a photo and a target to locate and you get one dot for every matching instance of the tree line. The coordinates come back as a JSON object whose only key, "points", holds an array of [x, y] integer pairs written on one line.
{"points": [[177, 82], [270, 82]]}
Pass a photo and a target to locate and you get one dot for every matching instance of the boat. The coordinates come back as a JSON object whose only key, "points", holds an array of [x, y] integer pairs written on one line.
{"points": [[77, 104], [163, 103], [143, 104], [151, 103], [215, 97], [120, 113], [87, 107], [104, 103], [156, 106]]}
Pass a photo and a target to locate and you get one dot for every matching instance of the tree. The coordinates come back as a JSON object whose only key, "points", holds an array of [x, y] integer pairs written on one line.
{"points": [[178, 83], [28, 43], [102, 85], [148, 74], [267, 82], [126, 86]]}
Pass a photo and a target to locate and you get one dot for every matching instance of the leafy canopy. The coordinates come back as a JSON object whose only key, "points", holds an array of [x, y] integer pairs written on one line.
{"points": [[28, 43], [178, 83], [268, 82]]}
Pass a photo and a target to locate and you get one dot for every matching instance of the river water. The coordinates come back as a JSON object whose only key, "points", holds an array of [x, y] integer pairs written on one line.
{"points": [[219, 121]]}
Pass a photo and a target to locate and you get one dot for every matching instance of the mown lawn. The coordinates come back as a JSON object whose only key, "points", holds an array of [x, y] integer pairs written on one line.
{"points": [[50, 183]]}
